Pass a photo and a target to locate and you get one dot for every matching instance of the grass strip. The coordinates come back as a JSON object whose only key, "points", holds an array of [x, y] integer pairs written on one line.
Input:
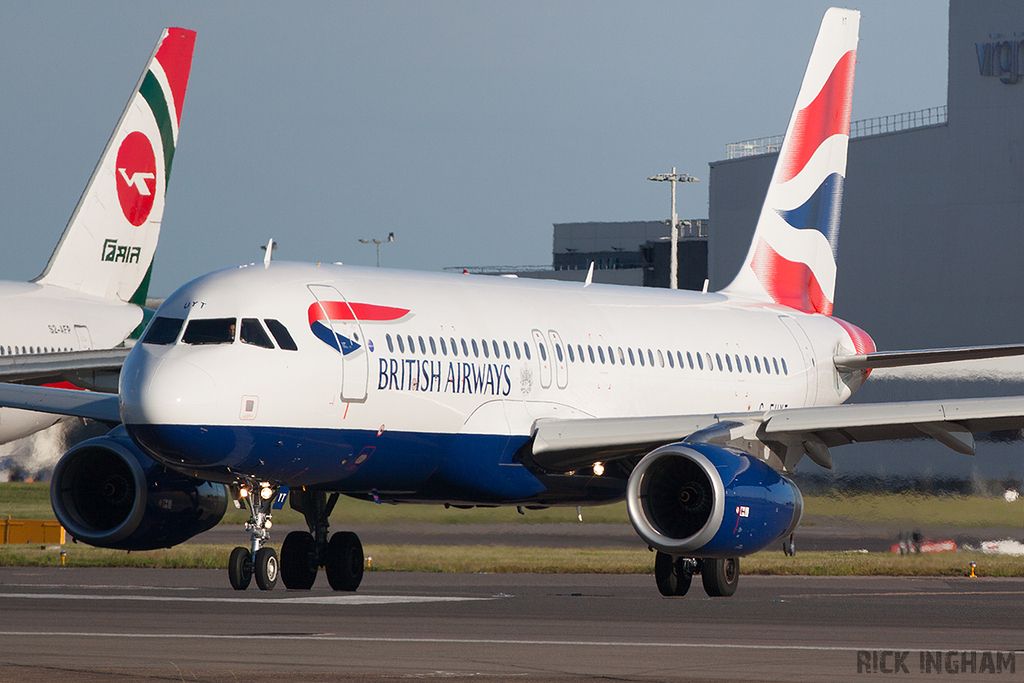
{"points": [[508, 559]]}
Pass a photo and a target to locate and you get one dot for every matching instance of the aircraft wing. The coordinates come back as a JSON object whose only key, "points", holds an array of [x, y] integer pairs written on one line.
{"points": [[27, 367], [788, 434], [91, 404], [899, 359]]}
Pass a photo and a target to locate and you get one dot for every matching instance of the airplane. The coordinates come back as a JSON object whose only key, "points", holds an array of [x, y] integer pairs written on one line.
{"points": [[61, 328], [305, 382]]}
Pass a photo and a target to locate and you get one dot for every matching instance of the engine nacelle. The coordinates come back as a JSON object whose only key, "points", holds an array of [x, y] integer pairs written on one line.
{"points": [[107, 493], [707, 501]]}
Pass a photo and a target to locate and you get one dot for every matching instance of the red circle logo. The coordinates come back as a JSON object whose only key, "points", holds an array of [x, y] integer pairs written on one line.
{"points": [[136, 177]]}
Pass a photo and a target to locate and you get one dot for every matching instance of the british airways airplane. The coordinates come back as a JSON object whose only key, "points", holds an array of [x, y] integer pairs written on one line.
{"points": [[90, 296], [407, 387]]}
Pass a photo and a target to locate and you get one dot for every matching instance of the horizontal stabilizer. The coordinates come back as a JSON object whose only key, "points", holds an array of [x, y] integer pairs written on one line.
{"points": [[899, 359]]}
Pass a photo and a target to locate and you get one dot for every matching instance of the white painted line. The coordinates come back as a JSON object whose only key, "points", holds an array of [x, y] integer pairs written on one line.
{"points": [[475, 641], [361, 599]]}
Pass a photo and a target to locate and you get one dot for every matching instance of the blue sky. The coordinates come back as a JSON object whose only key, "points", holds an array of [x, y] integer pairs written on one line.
{"points": [[466, 128]]}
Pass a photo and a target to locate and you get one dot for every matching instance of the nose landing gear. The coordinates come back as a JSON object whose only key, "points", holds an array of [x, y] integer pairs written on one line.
{"points": [[258, 560]]}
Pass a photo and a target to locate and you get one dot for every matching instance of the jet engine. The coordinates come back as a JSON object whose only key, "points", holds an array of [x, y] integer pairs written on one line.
{"points": [[107, 493], [700, 500]]}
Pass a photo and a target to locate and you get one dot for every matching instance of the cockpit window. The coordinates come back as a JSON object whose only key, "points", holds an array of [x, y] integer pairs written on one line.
{"points": [[252, 333], [163, 331], [280, 332], [210, 331]]}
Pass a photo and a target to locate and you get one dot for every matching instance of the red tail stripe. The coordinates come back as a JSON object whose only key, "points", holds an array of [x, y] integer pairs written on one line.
{"points": [[175, 56], [827, 115]]}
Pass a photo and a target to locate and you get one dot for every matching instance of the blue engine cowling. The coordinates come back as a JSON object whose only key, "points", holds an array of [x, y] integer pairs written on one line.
{"points": [[707, 501], [107, 493]]}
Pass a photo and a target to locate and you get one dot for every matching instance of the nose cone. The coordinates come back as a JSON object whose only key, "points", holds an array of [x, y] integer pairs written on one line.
{"points": [[156, 388]]}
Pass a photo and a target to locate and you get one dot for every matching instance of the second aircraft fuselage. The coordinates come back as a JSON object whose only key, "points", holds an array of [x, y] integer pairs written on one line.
{"points": [[420, 386]]}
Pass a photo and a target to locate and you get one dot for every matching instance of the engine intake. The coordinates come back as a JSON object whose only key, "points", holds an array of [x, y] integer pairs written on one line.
{"points": [[709, 501], [107, 493]]}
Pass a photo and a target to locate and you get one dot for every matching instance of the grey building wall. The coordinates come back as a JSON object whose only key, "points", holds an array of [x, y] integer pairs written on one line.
{"points": [[932, 233]]}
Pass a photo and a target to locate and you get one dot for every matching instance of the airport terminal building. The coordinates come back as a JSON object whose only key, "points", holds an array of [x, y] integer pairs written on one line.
{"points": [[932, 237]]}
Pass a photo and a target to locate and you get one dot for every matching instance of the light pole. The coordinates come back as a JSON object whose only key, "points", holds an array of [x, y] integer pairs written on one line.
{"points": [[673, 177], [378, 242]]}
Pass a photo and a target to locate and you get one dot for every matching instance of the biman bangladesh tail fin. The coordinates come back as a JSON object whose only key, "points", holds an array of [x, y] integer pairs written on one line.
{"points": [[107, 247], [792, 258]]}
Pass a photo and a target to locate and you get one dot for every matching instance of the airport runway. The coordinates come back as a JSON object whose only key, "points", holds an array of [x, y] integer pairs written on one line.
{"points": [[128, 624]]}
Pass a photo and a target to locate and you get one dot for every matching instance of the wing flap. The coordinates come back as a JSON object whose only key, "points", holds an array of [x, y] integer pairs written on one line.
{"points": [[33, 366], [790, 433]]}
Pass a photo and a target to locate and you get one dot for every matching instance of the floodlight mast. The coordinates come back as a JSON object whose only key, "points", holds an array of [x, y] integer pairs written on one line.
{"points": [[378, 241], [673, 177]]}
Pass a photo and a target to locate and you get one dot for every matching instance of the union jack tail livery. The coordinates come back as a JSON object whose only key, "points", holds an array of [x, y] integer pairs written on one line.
{"points": [[107, 247], [792, 258]]}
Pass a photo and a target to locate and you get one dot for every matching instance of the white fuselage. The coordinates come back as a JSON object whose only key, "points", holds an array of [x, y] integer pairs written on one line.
{"points": [[38, 319], [439, 358]]}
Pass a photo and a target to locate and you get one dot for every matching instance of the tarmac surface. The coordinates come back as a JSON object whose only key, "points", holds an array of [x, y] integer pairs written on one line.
{"points": [[137, 624]]}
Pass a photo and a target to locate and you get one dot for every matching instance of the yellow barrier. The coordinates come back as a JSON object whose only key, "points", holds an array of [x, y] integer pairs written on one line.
{"points": [[31, 531]]}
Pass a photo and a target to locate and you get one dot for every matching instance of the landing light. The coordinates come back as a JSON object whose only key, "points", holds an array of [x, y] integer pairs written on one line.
{"points": [[598, 469], [267, 493], [243, 492]]}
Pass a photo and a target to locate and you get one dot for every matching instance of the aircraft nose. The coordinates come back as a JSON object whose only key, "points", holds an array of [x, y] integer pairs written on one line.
{"points": [[155, 390]]}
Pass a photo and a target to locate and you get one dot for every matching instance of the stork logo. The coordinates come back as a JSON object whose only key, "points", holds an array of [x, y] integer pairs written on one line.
{"points": [[136, 177]]}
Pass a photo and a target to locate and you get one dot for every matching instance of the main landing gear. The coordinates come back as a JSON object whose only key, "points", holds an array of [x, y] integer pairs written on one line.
{"points": [[303, 553], [720, 576]]}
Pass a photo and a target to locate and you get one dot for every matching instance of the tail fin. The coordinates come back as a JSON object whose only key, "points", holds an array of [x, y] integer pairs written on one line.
{"points": [[107, 247], [792, 259]]}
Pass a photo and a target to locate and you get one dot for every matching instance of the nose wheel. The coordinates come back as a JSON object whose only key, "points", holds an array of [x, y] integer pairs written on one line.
{"points": [[258, 560]]}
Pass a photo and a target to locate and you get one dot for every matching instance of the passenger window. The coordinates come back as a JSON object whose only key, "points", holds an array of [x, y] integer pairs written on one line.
{"points": [[515, 347], [785, 370], [767, 368], [600, 352], [433, 347], [391, 345], [700, 360], [775, 362], [483, 343], [622, 358], [611, 356], [455, 347], [718, 357], [746, 360], [465, 348], [280, 332], [689, 360], [757, 365], [739, 365], [661, 359], [508, 354], [590, 352], [558, 352], [444, 347], [476, 349], [423, 347], [650, 357], [210, 331], [252, 333], [543, 352], [526, 350], [412, 344], [572, 358], [161, 331], [497, 351], [579, 352], [401, 344], [671, 360], [728, 362], [640, 355]]}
